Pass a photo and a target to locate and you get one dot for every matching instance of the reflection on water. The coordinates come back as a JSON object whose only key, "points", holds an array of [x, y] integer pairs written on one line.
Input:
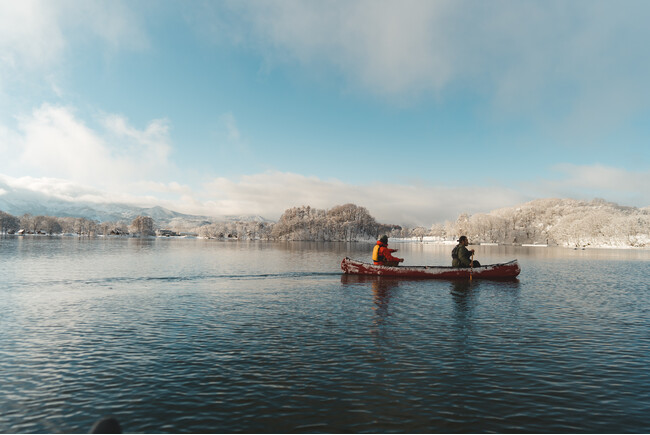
{"points": [[461, 292], [208, 336], [464, 292], [383, 288]]}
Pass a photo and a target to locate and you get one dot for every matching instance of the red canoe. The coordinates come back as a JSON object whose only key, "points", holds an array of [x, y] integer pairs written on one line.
{"points": [[492, 271]]}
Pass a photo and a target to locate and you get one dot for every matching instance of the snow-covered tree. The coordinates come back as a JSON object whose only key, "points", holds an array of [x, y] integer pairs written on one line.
{"points": [[8, 223], [143, 226], [346, 222], [50, 225], [27, 223], [564, 222]]}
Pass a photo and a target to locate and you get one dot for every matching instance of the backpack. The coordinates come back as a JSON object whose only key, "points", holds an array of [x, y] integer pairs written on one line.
{"points": [[454, 253]]}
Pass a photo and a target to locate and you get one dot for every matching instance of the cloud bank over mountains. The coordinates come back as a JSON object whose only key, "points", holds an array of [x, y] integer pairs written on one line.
{"points": [[268, 195]]}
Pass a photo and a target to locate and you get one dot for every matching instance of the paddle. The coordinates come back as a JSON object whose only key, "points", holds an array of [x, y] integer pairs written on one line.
{"points": [[471, 266]]}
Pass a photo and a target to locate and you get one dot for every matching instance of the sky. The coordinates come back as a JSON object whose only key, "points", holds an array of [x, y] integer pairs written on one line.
{"points": [[416, 110]]}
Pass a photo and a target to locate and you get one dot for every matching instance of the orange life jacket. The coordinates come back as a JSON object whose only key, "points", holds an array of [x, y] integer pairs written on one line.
{"points": [[377, 256]]}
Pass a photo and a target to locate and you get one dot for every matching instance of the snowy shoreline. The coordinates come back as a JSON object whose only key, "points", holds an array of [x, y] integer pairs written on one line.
{"points": [[428, 240], [437, 241]]}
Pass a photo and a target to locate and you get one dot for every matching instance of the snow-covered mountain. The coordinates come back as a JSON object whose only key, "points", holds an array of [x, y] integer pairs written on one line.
{"points": [[17, 202]]}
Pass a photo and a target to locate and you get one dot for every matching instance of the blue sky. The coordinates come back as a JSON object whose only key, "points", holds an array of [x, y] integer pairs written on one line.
{"points": [[416, 110]]}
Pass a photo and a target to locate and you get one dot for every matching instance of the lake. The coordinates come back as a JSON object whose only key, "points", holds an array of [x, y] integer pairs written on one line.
{"points": [[191, 335]]}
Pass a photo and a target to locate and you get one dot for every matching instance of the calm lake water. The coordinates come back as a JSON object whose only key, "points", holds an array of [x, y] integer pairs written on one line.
{"points": [[209, 336]]}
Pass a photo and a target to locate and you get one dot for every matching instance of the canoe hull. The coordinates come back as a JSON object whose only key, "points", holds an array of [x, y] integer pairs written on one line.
{"points": [[492, 271]]}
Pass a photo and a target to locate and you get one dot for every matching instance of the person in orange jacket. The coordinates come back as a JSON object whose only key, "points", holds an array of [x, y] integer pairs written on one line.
{"points": [[382, 255]]}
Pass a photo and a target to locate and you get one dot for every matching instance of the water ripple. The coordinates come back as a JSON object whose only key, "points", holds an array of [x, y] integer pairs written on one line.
{"points": [[204, 347]]}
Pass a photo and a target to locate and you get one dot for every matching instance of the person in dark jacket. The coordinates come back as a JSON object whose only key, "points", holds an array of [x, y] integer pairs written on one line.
{"points": [[461, 256], [382, 255]]}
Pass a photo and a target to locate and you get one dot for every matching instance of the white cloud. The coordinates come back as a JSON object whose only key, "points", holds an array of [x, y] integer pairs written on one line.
{"points": [[576, 68], [270, 194], [36, 35], [610, 183], [57, 188], [55, 144], [164, 188], [52, 142], [384, 46], [114, 22], [40, 190], [145, 151], [29, 33]]}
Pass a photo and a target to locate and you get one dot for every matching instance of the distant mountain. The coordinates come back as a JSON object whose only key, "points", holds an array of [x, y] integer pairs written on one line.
{"points": [[18, 202]]}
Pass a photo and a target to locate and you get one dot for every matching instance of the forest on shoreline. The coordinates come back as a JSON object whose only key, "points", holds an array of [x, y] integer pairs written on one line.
{"points": [[561, 222]]}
